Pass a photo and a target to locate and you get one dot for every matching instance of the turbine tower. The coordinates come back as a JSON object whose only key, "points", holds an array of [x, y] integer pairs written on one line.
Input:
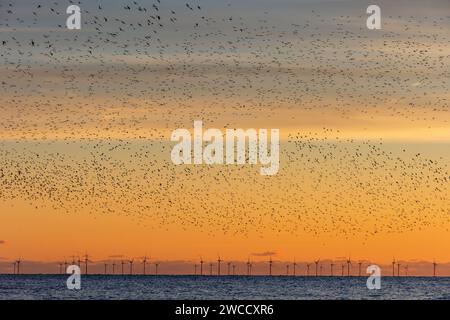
{"points": [[393, 267], [307, 268], [270, 266], [228, 268], [156, 268], [131, 266], [349, 262], [18, 265], [317, 267], [201, 266], [295, 265], [86, 260], [218, 265], [434, 268], [332, 265], [144, 261]]}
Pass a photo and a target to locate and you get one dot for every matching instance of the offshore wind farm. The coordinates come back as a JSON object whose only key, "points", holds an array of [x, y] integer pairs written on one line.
{"points": [[272, 267], [243, 280]]}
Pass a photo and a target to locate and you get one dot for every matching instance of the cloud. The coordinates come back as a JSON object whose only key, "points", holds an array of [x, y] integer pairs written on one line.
{"points": [[115, 256], [265, 254]]}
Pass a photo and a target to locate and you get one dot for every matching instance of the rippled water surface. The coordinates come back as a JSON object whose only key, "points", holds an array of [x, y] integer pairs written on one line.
{"points": [[235, 287]]}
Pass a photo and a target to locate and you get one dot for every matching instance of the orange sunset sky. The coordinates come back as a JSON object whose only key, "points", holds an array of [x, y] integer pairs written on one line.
{"points": [[86, 118]]}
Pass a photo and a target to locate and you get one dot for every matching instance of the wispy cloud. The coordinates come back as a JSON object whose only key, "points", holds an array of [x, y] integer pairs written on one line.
{"points": [[265, 253]]}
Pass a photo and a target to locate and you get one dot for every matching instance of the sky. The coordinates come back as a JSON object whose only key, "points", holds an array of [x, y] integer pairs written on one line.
{"points": [[87, 116]]}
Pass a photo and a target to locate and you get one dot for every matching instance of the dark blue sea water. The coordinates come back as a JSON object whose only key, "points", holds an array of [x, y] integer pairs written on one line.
{"points": [[224, 287]]}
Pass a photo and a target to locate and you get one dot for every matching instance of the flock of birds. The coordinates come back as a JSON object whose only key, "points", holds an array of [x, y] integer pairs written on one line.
{"points": [[86, 115]]}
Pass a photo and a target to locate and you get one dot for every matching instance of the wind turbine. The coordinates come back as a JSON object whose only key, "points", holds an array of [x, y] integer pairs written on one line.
{"points": [[393, 267], [228, 268], [60, 267], [359, 267], [122, 263], [131, 266], [406, 270], [210, 269], [307, 268], [287, 269], [434, 268], [144, 261], [195, 269], [234, 269], [106, 266], [218, 265], [156, 268], [201, 266], [343, 266], [86, 260], [349, 262], [270, 266], [332, 265], [18, 265], [295, 265], [114, 267], [317, 266], [398, 269]]}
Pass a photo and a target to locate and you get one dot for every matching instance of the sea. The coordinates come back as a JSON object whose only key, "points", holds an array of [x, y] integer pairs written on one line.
{"points": [[160, 287]]}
